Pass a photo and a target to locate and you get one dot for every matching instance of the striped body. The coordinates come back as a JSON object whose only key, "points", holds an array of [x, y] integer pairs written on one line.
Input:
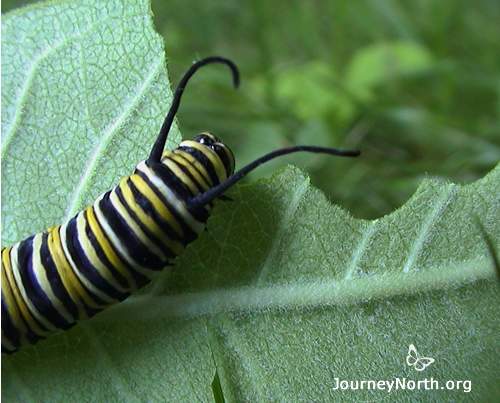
{"points": [[115, 246]]}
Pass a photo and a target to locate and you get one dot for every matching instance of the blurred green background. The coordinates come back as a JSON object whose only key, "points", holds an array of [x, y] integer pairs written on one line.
{"points": [[414, 84]]}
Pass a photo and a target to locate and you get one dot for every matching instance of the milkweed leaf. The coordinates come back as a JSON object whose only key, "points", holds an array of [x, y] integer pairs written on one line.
{"points": [[84, 90]]}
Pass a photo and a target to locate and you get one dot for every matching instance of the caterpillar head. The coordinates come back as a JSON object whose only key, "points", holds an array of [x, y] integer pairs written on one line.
{"points": [[213, 145]]}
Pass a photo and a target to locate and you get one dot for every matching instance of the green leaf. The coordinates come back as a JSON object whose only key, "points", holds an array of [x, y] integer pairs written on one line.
{"points": [[386, 62], [83, 95], [312, 91], [285, 292], [217, 388]]}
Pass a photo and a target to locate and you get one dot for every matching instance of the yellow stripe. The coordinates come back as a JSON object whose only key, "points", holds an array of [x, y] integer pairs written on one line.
{"points": [[135, 227], [76, 267], [220, 170], [15, 298], [90, 252], [201, 177], [177, 204], [182, 176], [108, 248], [194, 166], [7, 292], [175, 246], [44, 283], [161, 208], [70, 280]]}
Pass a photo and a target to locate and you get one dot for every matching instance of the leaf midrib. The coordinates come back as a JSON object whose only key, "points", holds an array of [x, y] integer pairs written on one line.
{"points": [[298, 296]]}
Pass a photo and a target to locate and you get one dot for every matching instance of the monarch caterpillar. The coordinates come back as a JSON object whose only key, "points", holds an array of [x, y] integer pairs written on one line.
{"points": [[54, 279]]}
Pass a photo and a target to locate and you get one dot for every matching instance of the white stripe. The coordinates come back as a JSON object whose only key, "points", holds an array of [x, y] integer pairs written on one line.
{"points": [[173, 200], [120, 208], [40, 280], [86, 283], [90, 251], [115, 240]]}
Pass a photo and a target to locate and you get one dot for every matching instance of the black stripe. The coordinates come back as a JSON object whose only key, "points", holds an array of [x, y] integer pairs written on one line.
{"points": [[205, 162], [9, 330], [222, 152], [34, 291], [127, 237], [183, 166], [102, 256], [170, 180], [181, 192], [58, 287], [111, 216], [165, 249], [80, 256], [168, 177], [146, 206]]}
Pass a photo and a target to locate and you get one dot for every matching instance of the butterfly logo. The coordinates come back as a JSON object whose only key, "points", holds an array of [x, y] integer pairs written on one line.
{"points": [[415, 360]]}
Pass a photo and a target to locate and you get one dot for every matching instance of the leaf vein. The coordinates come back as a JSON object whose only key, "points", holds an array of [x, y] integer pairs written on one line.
{"points": [[432, 218], [90, 168], [283, 225]]}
